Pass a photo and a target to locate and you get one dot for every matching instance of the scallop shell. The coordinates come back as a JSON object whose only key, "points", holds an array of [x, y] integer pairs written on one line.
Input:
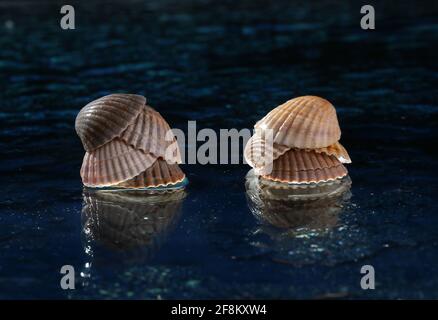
{"points": [[258, 152], [336, 150], [304, 122], [148, 133], [160, 174], [300, 166], [106, 118], [113, 163]]}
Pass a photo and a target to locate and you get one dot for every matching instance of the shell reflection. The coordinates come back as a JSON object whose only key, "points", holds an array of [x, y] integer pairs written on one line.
{"points": [[131, 225], [297, 208]]}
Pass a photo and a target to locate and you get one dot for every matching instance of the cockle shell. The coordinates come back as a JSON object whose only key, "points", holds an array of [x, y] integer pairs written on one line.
{"points": [[123, 138], [306, 122], [258, 152], [106, 118], [160, 174], [149, 132], [336, 150], [113, 163], [300, 166]]}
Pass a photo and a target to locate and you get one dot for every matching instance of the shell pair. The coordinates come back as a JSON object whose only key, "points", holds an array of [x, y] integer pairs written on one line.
{"points": [[298, 142], [128, 144]]}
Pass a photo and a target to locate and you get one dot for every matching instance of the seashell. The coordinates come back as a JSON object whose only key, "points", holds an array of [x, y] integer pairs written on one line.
{"points": [[106, 118], [306, 122], [300, 166], [160, 174], [336, 150], [114, 163], [148, 133], [258, 152]]}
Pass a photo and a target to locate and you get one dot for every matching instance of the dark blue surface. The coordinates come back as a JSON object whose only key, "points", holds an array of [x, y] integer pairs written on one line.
{"points": [[224, 64]]}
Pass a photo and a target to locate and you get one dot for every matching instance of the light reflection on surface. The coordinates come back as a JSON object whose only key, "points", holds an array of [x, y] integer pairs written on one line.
{"points": [[131, 225], [297, 209]]}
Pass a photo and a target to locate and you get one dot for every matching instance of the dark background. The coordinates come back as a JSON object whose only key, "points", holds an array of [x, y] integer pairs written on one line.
{"points": [[224, 64]]}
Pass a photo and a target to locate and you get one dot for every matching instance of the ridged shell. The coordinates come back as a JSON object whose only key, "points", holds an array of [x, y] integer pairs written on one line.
{"points": [[258, 152], [303, 122], [123, 220], [159, 174], [300, 166], [336, 150], [148, 133], [114, 163], [106, 118]]}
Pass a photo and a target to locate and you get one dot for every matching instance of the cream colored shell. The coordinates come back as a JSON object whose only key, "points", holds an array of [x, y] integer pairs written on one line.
{"points": [[258, 152], [336, 150], [306, 122]]}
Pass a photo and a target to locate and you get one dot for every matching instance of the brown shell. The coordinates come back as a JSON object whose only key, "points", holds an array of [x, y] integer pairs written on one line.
{"points": [[106, 118], [257, 152], [300, 166], [336, 150], [113, 163], [303, 122], [148, 133], [160, 174]]}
